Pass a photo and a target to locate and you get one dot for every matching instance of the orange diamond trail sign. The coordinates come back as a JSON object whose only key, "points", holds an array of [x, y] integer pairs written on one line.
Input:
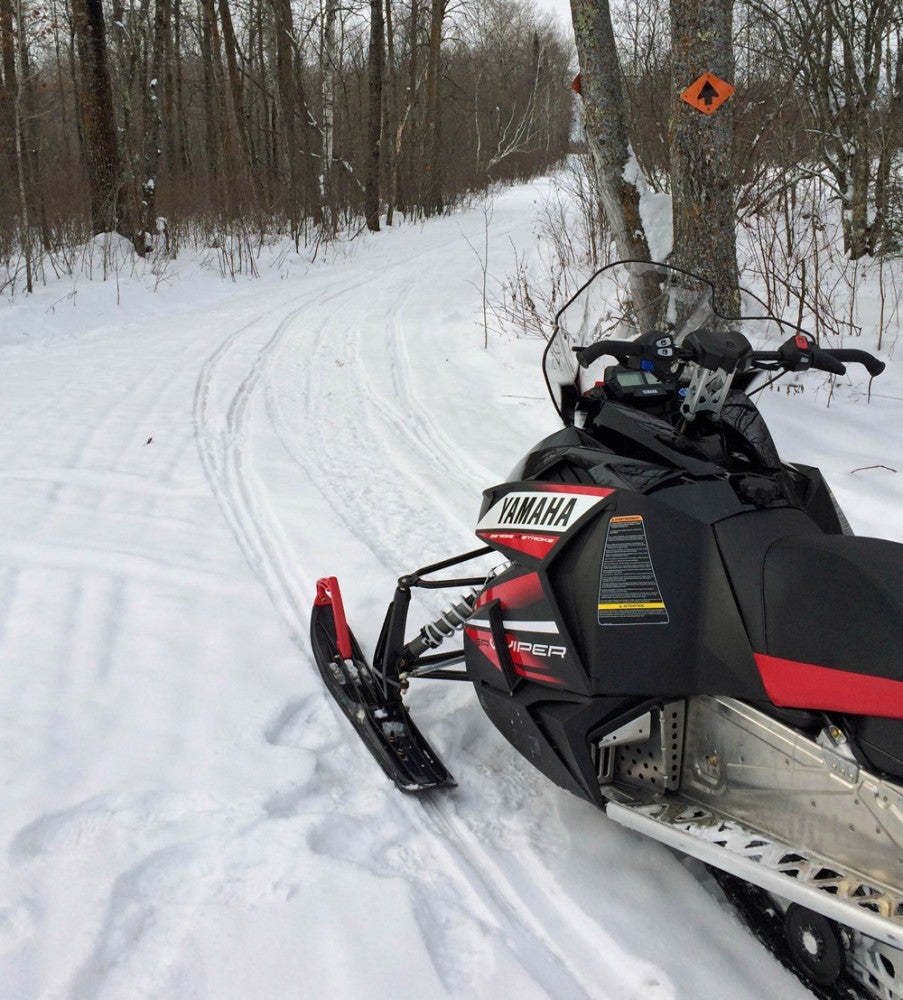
{"points": [[708, 93]]}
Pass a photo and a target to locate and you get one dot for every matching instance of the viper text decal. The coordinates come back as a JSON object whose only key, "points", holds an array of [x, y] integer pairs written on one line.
{"points": [[543, 650]]}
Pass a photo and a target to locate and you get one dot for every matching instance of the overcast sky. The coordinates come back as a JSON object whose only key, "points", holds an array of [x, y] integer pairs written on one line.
{"points": [[562, 8]]}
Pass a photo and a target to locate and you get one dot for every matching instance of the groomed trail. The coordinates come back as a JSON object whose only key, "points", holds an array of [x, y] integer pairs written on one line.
{"points": [[185, 814]]}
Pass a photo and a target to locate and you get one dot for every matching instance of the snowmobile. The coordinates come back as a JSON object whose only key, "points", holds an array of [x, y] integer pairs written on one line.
{"points": [[671, 622]]}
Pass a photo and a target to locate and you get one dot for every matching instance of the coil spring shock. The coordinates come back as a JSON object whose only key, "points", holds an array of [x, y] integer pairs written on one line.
{"points": [[450, 621]]}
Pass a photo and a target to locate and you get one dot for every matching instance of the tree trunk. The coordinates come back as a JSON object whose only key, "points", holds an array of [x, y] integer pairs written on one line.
{"points": [[285, 88], [25, 235], [396, 196], [375, 130], [10, 87], [108, 211], [235, 89], [182, 149], [434, 201], [218, 131], [702, 163], [605, 123], [391, 121], [153, 128], [327, 94]]}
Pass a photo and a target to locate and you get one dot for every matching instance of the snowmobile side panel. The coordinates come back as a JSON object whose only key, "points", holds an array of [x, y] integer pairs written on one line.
{"points": [[642, 590], [516, 723]]}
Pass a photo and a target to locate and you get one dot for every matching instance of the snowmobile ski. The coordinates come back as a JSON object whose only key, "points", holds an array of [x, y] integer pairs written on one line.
{"points": [[373, 707]]}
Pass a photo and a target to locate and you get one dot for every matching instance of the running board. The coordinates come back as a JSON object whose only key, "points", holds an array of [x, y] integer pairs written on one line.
{"points": [[804, 878]]}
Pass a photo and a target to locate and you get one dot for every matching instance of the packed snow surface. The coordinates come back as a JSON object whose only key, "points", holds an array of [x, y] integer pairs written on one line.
{"points": [[185, 814]]}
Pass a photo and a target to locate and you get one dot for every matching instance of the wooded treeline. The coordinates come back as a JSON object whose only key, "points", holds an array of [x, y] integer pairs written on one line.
{"points": [[284, 116]]}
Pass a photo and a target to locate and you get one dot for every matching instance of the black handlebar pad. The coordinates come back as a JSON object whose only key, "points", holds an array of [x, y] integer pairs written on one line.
{"points": [[616, 348], [871, 364]]}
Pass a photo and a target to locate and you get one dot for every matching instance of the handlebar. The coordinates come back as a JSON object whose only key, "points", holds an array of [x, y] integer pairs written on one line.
{"points": [[799, 353], [871, 364], [616, 348]]}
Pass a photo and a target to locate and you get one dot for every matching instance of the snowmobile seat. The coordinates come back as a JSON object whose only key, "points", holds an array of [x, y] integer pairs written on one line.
{"points": [[836, 601]]}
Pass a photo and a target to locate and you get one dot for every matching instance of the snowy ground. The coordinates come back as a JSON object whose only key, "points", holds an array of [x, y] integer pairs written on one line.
{"points": [[184, 814]]}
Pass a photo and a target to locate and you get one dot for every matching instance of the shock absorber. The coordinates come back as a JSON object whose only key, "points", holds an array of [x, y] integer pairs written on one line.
{"points": [[450, 621]]}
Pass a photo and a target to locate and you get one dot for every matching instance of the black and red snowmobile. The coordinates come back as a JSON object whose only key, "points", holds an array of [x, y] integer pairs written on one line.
{"points": [[678, 626]]}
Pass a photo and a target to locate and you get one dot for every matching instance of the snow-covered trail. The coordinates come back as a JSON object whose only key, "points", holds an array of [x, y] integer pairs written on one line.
{"points": [[185, 814]]}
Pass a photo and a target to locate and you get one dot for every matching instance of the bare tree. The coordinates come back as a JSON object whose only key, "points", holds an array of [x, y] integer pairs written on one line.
{"points": [[433, 133], [605, 122], [375, 128], [108, 207], [153, 128], [846, 59], [20, 156], [327, 119], [230, 45], [10, 86], [702, 165], [265, 115]]}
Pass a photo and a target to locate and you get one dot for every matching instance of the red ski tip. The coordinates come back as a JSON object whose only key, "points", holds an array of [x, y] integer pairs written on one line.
{"points": [[329, 595]]}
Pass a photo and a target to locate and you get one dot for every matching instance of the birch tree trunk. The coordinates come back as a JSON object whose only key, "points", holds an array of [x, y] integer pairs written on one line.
{"points": [[327, 94], [153, 129], [605, 122], [702, 150]]}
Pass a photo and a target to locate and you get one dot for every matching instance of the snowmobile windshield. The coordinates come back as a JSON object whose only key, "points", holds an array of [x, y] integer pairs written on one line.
{"points": [[629, 299]]}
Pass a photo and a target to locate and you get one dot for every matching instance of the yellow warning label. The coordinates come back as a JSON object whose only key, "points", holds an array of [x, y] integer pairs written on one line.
{"points": [[654, 605], [628, 590]]}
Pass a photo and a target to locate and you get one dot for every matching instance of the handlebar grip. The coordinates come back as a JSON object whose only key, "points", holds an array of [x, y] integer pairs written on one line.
{"points": [[827, 361], [616, 348], [871, 364]]}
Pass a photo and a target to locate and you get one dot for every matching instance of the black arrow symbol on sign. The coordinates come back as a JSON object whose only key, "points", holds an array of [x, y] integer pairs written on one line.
{"points": [[708, 94]]}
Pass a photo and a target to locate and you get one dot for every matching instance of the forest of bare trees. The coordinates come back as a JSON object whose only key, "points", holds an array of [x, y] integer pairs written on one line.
{"points": [[819, 91], [172, 121], [299, 117]]}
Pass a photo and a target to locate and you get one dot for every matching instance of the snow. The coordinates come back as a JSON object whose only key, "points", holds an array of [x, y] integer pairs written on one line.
{"points": [[185, 813]]}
